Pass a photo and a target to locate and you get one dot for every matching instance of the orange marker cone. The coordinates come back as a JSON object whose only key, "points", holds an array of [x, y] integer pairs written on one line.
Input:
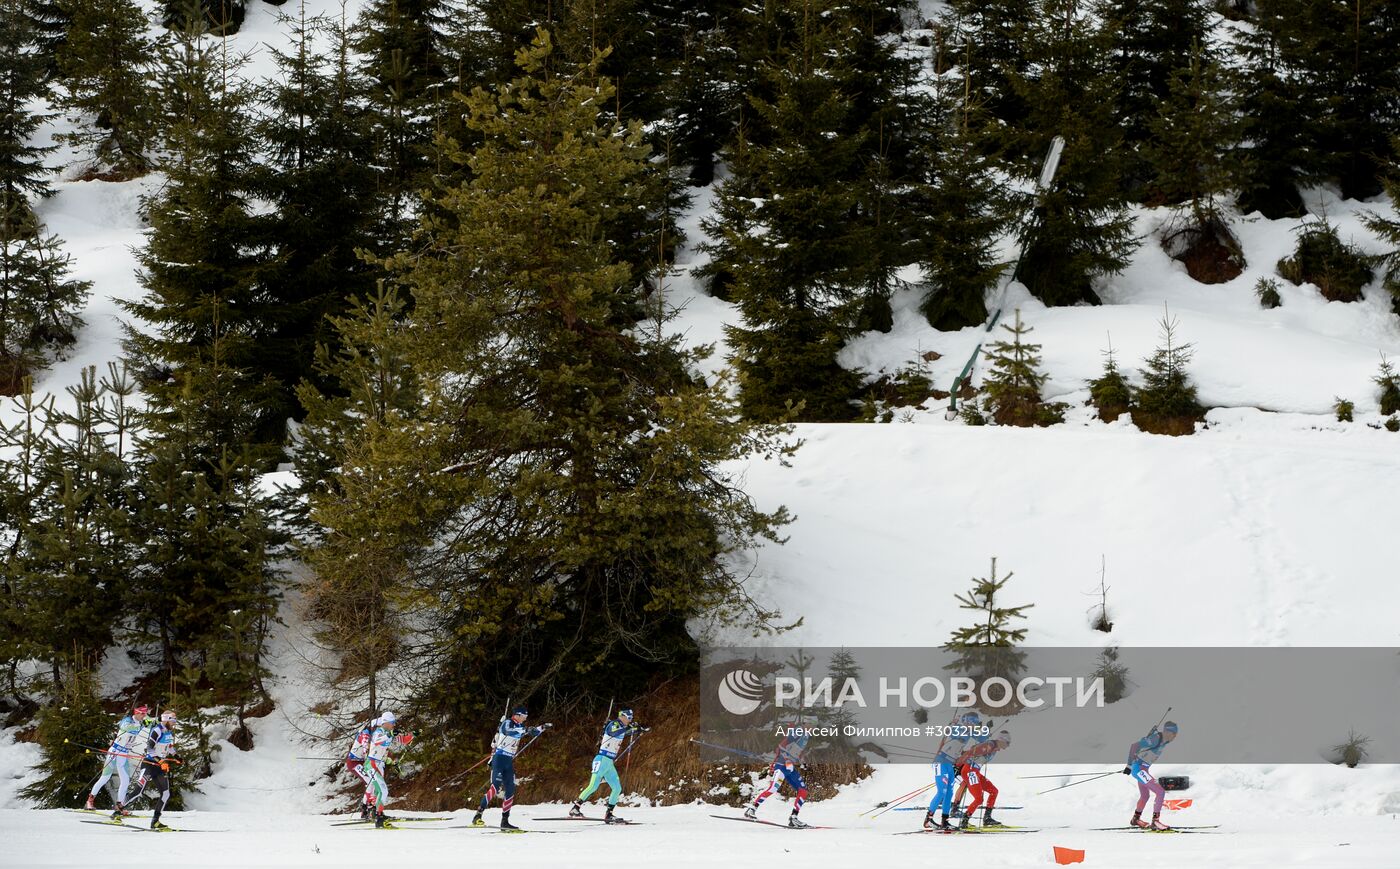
{"points": [[1066, 856]]}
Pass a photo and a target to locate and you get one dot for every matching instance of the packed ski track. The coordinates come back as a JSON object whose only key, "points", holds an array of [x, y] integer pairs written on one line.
{"points": [[1265, 528]]}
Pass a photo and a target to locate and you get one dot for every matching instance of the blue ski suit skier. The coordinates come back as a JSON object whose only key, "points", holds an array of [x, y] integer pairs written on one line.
{"points": [[787, 759], [615, 733], [945, 767], [505, 745], [125, 753], [1141, 755]]}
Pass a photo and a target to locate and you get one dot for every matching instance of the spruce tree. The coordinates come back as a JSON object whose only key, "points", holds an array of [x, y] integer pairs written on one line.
{"points": [[368, 521], [400, 44], [205, 309], [39, 302], [1013, 380], [1110, 393], [1081, 228], [987, 43], [1166, 402], [1279, 114], [23, 80], [76, 547], [1347, 55], [986, 648], [1389, 382], [964, 216], [1192, 155], [213, 415], [809, 227], [1389, 232], [1152, 42], [594, 513], [105, 65], [320, 174], [73, 719]]}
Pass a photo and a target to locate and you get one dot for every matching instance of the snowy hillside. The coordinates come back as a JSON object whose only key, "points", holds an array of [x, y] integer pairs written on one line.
{"points": [[1265, 528]]}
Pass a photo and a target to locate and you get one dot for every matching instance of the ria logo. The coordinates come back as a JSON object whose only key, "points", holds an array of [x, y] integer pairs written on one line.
{"points": [[740, 692]]}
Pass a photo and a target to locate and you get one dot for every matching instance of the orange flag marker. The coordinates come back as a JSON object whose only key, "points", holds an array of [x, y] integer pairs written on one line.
{"points": [[1066, 856], [1177, 805]]}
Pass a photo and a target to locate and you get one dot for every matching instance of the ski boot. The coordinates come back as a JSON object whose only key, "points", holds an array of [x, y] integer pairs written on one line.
{"points": [[379, 820], [751, 813], [90, 805], [795, 822], [477, 821], [929, 822], [1157, 826], [962, 823], [989, 821], [576, 810], [610, 818], [507, 826], [1137, 821], [957, 812], [157, 825], [117, 814], [944, 826]]}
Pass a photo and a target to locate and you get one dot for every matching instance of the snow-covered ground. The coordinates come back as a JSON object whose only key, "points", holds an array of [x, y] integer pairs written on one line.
{"points": [[1267, 528]]}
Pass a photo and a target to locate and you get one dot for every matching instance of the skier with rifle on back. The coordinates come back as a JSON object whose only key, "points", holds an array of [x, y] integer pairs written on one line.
{"points": [[1141, 755], [615, 733], [506, 745], [129, 742]]}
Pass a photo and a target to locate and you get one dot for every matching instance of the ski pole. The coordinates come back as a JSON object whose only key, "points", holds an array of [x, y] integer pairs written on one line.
{"points": [[141, 757], [885, 807], [1066, 774], [897, 800], [1080, 782], [905, 800], [762, 757]]}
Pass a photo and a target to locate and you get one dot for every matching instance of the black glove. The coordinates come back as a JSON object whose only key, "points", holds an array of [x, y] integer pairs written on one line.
{"points": [[1127, 770]]}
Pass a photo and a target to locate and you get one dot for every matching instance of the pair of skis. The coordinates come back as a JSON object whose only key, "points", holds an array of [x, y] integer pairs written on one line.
{"points": [[769, 823], [137, 829]]}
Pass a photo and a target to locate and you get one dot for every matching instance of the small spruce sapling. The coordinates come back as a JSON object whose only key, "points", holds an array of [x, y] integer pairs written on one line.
{"points": [[1166, 403], [1110, 392], [1267, 291], [985, 649], [1344, 410], [1389, 382]]}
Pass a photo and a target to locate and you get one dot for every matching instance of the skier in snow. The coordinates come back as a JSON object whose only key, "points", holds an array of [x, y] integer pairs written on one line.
{"points": [[787, 758], [615, 733], [945, 768], [376, 757], [505, 745], [970, 768], [355, 761], [160, 753], [125, 750], [1141, 755]]}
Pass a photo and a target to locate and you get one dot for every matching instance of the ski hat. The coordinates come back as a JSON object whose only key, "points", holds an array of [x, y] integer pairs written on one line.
{"points": [[1004, 737], [1169, 727], [141, 710], [627, 713], [168, 717], [388, 719], [521, 710], [971, 717]]}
